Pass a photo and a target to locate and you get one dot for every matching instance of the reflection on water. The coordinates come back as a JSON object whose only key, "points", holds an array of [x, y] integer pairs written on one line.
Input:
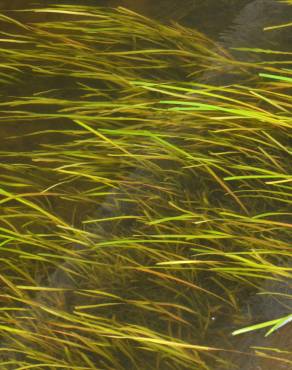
{"points": [[237, 24]]}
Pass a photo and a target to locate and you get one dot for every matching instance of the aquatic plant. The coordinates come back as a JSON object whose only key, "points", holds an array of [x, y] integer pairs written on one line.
{"points": [[276, 324], [141, 206]]}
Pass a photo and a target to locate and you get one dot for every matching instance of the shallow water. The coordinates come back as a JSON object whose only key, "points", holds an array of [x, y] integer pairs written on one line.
{"points": [[234, 24]]}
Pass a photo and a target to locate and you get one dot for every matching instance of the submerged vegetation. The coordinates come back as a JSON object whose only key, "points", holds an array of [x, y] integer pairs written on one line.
{"points": [[144, 206]]}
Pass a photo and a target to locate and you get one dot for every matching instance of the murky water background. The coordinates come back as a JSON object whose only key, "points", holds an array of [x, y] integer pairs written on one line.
{"points": [[237, 23]]}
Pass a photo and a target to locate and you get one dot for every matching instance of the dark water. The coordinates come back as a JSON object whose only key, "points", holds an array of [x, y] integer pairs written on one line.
{"points": [[237, 23]]}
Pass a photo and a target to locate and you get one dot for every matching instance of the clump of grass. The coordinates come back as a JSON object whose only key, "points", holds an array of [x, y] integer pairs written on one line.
{"points": [[138, 202]]}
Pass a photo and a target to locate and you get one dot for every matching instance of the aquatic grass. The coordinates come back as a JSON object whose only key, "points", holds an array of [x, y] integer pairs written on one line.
{"points": [[140, 208], [276, 324]]}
